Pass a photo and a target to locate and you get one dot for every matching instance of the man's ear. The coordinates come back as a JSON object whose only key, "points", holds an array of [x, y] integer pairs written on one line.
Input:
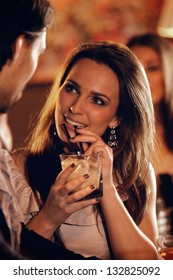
{"points": [[17, 47], [114, 123]]}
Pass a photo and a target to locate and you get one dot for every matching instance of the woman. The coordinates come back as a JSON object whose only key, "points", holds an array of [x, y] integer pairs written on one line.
{"points": [[156, 54], [101, 99]]}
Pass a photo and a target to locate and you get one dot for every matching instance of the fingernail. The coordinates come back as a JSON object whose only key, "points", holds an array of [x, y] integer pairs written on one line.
{"points": [[98, 199], [73, 164], [86, 176], [92, 187]]}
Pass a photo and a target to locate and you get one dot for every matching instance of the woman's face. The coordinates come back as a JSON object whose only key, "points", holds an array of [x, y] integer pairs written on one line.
{"points": [[153, 67], [91, 90]]}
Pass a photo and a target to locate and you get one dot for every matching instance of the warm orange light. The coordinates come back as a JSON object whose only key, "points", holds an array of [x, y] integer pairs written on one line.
{"points": [[165, 23]]}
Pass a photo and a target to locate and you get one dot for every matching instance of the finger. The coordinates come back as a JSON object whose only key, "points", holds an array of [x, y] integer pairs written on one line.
{"points": [[84, 138], [80, 194], [94, 142], [83, 204], [104, 149], [63, 175], [99, 147], [73, 184]]}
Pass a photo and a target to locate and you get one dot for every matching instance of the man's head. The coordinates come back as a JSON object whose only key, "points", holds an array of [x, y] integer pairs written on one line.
{"points": [[23, 25]]}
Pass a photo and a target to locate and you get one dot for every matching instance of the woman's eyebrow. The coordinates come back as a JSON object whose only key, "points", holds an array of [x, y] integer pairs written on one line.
{"points": [[73, 82], [99, 94], [95, 93]]}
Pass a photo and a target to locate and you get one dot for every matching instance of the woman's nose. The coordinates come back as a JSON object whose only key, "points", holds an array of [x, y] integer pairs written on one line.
{"points": [[76, 108], [71, 110]]}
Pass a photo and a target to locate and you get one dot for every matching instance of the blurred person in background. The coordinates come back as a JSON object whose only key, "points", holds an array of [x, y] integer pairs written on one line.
{"points": [[156, 55]]}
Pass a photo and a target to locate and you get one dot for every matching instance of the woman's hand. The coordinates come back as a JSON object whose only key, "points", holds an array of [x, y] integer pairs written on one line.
{"points": [[61, 203]]}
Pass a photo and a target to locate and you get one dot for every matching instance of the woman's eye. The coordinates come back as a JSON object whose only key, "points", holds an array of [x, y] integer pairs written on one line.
{"points": [[98, 101], [154, 68], [70, 88]]}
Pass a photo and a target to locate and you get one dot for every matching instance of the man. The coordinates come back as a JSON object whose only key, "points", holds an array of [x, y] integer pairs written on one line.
{"points": [[23, 26]]}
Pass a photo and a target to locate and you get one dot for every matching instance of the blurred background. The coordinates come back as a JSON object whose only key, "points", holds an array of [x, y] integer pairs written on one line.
{"points": [[78, 21]]}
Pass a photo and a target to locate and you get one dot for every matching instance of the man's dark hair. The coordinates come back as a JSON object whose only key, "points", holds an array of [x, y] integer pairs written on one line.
{"points": [[21, 17]]}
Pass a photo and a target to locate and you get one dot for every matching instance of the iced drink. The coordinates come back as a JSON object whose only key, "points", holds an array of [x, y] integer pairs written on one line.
{"points": [[85, 165]]}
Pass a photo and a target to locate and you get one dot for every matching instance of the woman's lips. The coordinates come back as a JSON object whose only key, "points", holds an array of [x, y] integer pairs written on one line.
{"points": [[74, 124], [69, 126]]}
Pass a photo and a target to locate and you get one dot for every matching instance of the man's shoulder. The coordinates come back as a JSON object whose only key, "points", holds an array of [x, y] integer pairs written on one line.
{"points": [[19, 157]]}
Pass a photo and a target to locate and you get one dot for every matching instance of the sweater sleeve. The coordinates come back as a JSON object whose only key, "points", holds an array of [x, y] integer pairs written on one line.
{"points": [[6, 251], [36, 247]]}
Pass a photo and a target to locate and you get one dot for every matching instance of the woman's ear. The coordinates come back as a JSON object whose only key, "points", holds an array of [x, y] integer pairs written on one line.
{"points": [[17, 47], [114, 123]]}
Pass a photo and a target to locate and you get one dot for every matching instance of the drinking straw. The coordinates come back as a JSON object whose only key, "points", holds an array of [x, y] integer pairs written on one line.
{"points": [[73, 146], [80, 143]]}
